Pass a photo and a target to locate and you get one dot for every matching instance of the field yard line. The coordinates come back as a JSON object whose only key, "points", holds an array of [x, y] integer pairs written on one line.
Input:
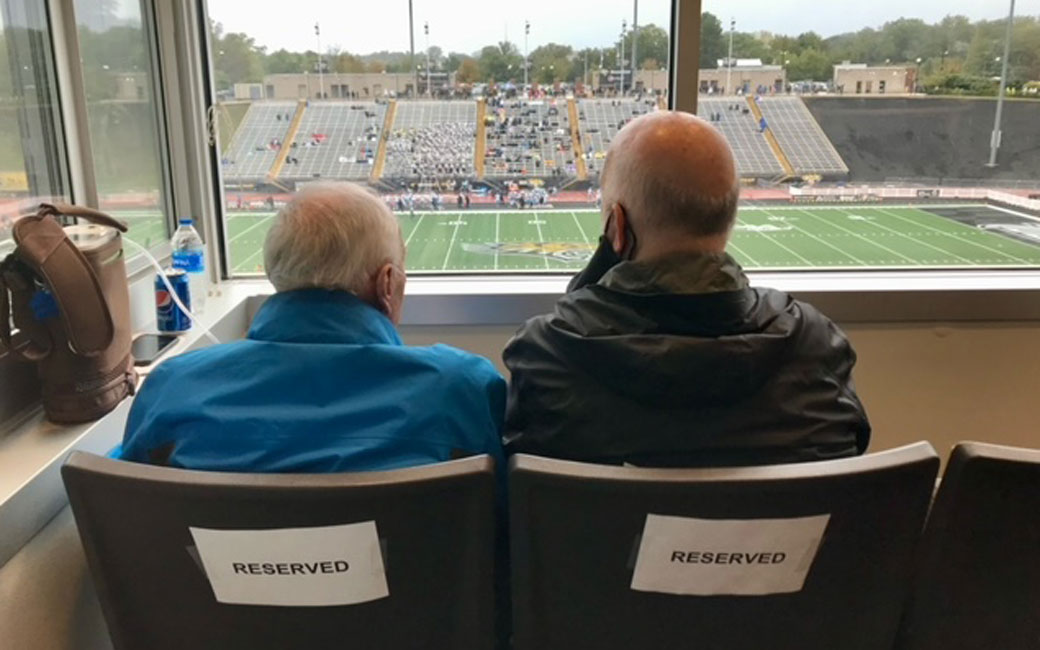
{"points": [[574, 216], [414, 229], [825, 243], [955, 236], [856, 234], [240, 266], [541, 239], [792, 252], [750, 259], [498, 239], [251, 228], [922, 242], [451, 244]]}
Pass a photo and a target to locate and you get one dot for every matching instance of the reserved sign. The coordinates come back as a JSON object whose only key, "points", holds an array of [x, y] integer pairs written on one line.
{"points": [[301, 567], [726, 557]]}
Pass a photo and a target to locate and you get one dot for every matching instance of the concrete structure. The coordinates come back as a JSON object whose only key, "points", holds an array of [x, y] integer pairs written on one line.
{"points": [[648, 80], [351, 85], [747, 76], [861, 79]]}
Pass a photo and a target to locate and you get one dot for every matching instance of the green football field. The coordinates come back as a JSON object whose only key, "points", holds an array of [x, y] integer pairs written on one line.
{"points": [[783, 238]]}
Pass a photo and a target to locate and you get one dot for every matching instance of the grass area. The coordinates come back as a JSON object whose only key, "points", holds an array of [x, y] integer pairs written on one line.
{"points": [[787, 238]]}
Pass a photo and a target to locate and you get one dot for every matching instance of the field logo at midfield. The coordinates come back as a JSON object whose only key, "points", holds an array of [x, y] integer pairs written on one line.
{"points": [[560, 251]]}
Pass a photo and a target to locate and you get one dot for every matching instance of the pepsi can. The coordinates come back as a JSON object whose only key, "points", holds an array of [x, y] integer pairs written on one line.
{"points": [[169, 317]]}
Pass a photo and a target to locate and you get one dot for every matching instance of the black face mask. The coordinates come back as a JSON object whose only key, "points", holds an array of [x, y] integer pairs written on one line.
{"points": [[604, 259]]}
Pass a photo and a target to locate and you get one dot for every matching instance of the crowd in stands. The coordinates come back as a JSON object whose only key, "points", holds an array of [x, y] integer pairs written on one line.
{"points": [[434, 151], [528, 139]]}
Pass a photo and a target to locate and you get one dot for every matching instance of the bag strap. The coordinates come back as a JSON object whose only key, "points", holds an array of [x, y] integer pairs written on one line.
{"points": [[91, 215], [43, 245]]}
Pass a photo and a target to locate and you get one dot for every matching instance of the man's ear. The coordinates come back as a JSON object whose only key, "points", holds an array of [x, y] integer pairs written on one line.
{"points": [[619, 238], [384, 289]]}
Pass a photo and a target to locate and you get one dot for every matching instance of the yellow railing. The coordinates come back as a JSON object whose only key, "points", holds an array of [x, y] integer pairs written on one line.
{"points": [[579, 155], [290, 135], [774, 144]]}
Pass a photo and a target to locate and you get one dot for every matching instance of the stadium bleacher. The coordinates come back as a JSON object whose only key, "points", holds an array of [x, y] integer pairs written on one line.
{"points": [[800, 136], [253, 148], [431, 139], [600, 120], [531, 138], [754, 157], [335, 140]]}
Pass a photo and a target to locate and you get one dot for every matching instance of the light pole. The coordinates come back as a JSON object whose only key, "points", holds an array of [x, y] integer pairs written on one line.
{"points": [[527, 32], [411, 43], [321, 71], [621, 59], [429, 88], [729, 58], [917, 77], [994, 141], [635, 34], [942, 60]]}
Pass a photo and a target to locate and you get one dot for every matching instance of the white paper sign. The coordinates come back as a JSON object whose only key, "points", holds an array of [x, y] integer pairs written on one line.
{"points": [[301, 567], [715, 557]]}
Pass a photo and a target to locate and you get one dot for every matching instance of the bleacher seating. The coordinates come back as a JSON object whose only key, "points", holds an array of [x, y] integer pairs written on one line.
{"points": [[335, 140], [800, 136], [599, 120], [253, 148], [431, 139], [754, 157], [531, 138]]}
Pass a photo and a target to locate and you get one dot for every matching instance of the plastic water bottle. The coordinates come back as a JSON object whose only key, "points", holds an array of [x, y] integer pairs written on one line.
{"points": [[189, 254]]}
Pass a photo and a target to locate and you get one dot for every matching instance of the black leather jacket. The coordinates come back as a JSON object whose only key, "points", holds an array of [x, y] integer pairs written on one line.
{"points": [[679, 363]]}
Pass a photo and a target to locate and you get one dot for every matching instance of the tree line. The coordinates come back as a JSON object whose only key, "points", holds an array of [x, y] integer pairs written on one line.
{"points": [[956, 54]]}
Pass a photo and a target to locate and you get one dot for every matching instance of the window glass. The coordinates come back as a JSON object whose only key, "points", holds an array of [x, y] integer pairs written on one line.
{"points": [[864, 135], [490, 164], [116, 52], [32, 161]]}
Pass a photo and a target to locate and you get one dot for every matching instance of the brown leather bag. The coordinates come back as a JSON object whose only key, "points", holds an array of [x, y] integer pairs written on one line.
{"points": [[73, 307]]}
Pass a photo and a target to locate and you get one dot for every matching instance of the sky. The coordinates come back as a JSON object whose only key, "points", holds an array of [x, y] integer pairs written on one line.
{"points": [[467, 25]]}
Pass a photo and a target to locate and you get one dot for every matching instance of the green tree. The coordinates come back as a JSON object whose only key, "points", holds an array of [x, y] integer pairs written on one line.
{"points": [[713, 44], [283, 62], [500, 62], [809, 65], [236, 58]]}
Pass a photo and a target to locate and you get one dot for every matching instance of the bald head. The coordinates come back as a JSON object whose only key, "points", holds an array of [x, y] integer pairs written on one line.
{"points": [[673, 175]]}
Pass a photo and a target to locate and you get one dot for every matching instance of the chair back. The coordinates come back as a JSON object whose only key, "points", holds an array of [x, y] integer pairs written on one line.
{"points": [[161, 545], [618, 557], [978, 576]]}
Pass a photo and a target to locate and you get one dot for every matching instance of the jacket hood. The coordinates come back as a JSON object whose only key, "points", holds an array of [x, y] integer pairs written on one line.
{"points": [[643, 326]]}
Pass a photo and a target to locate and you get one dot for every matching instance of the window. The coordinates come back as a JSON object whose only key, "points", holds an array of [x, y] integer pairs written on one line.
{"points": [[877, 147], [862, 138], [461, 121], [32, 158], [125, 135]]}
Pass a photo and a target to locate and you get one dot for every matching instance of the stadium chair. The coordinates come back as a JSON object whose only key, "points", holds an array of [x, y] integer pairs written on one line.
{"points": [[578, 533], [978, 579], [435, 526]]}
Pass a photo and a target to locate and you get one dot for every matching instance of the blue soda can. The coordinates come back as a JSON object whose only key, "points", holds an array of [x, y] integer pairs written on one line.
{"points": [[169, 317]]}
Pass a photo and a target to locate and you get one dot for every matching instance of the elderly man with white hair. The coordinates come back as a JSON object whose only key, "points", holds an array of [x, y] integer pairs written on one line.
{"points": [[661, 354], [322, 382]]}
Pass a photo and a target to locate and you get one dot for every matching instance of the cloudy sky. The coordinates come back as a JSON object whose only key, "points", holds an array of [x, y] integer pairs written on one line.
{"points": [[466, 25]]}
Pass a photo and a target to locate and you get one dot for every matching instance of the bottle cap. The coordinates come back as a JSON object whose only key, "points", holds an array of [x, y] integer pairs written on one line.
{"points": [[186, 221]]}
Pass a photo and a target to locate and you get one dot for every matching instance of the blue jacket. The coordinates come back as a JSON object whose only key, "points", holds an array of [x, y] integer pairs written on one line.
{"points": [[322, 383]]}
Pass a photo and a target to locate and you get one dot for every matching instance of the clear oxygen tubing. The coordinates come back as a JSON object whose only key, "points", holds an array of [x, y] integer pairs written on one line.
{"points": [[173, 294]]}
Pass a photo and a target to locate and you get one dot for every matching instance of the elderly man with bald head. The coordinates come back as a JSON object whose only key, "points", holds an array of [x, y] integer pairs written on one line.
{"points": [[322, 381], [661, 354]]}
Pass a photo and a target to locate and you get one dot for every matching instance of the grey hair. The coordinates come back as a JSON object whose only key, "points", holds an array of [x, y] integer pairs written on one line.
{"points": [[331, 236], [663, 200]]}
